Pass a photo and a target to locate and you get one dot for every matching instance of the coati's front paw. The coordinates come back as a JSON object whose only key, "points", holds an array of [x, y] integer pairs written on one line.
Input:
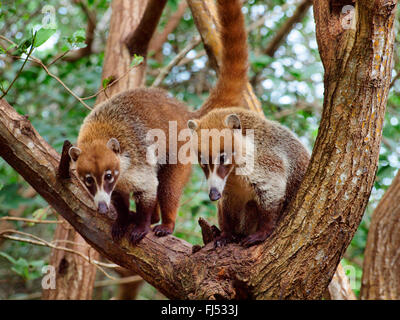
{"points": [[118, 230], [254, 239], [162, 230], [138, 233], [222, 240]]}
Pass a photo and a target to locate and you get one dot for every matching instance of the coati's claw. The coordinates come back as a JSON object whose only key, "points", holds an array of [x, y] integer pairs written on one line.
{"points": [[118, 230], [253, 239], [162, 230], [138, 233]]}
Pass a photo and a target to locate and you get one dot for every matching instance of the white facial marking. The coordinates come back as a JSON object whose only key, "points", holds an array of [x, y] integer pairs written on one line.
{"points": [[102, 196], [215, 181]]}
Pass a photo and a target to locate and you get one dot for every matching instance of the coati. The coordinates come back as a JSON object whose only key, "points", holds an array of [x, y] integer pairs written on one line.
{"points": [[111, 160], [251, 199], [111, 153]]}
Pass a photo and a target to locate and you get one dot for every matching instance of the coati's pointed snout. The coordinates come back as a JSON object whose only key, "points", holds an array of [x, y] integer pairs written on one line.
{"points": [[102, 208], [214, 194]]}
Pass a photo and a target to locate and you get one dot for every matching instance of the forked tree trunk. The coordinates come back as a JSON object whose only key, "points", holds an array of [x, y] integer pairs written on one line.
{"points": [[74, 275], [381, 270], [206, 19]]}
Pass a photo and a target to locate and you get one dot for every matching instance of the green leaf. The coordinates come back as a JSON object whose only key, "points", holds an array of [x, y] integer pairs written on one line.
{"points": [[42, 35], [29, 270], [8, 257], [79, 36], [106, 81], [136, 60]]}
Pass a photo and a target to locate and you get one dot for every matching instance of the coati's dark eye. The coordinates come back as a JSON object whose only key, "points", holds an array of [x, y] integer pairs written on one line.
{"points": [[89, 180], [108, 176], [222, 158]]}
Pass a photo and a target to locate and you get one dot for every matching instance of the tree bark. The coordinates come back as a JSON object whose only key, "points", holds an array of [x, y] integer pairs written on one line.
{"points": [[74, 275], [381, 270], [299, 259], [126, 16]]}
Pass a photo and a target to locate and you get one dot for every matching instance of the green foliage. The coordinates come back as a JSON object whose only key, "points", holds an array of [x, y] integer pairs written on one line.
{"points": [[42, 35], [28, 270]]}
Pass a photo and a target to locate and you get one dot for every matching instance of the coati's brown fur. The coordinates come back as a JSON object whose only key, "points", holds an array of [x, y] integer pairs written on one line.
{"points": [[251, 202], [127, 118], [110, 156]]}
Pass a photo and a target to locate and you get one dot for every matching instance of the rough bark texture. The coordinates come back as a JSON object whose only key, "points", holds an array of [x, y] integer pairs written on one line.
{"points": [[301, 256], [206, 19], [381, 270]]}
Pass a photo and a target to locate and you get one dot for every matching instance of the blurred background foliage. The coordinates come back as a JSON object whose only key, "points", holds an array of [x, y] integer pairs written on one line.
{"points": [[289, 85]]}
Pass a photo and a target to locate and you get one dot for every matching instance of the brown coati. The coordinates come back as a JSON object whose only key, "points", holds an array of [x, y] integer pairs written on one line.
{"points": [[111, 153], [111, 160], [253, 166]]}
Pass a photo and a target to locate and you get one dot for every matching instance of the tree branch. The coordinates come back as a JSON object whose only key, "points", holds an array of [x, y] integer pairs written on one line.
{"points": [[138, 41], [90, 32], [381, 270], [287, 26]]}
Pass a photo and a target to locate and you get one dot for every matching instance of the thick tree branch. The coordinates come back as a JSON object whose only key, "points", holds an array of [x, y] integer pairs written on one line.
{"points": [[138, 40], [159, 38]]}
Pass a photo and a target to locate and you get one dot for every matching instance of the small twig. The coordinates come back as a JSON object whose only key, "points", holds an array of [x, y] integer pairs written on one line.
{"points": [[111, 83], [104, 283], [397, 77], [8, 218], [40, 63], [41, 242], [60, 56], [20, 70], [165, 71], [8, 40]]}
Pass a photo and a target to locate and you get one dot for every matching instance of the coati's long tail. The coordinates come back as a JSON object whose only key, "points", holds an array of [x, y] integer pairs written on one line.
{"points": [[232, 78]]}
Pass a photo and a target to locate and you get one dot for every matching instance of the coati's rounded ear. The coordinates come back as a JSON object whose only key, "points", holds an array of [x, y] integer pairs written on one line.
{"points": [[192, 125], [113, 144], [74, 153], [232, 121]]}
